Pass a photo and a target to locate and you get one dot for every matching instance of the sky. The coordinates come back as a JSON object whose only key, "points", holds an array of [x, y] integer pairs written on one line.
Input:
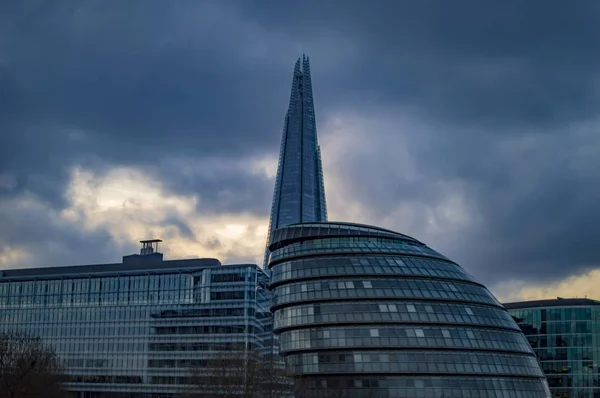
{"points": [[472, 126]]}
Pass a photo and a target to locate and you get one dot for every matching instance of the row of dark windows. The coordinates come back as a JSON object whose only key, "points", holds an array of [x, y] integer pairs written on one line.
{"points": [[105, 379], [557, 314], [204, 313], [570, 367], [208, 329], [558, 381], [367, 312], [419, 362], [316, 230], [557, 341], [177, 363], [396, 247], [233, 277], [566, 353], [364, 293], [365, 264], [558, 327], [225, 346], [231, 295], [404, 285], [490, 384]]}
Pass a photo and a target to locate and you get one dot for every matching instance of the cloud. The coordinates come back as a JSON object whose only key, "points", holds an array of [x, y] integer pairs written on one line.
{"points": [[499, 209], [130, 206], [124, 205], [470, 126], [582, 285]]}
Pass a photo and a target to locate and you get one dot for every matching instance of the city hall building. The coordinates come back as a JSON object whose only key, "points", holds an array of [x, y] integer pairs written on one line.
{"points": [[136, 328], [363, 311]]}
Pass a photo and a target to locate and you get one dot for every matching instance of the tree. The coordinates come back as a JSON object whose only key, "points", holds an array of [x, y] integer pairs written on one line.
{"points": [[28, 368], [240, 375]]}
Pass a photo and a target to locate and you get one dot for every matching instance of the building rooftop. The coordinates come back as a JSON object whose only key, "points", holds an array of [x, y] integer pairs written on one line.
{"points": [[557, 302], [318, 230], [141, 264], [148, 260]]}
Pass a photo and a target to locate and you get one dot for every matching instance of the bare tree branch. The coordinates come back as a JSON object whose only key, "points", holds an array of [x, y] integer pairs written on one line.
{"points": [[240, 375], [28, 368]]}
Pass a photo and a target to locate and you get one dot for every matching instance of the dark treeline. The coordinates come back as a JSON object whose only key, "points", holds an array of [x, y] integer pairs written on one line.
{"points": [[28, 368]]}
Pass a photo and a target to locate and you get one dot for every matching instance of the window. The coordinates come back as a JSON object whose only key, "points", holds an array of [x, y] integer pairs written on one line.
{"points": [[419, 333], [411, 308], [374, 332]]}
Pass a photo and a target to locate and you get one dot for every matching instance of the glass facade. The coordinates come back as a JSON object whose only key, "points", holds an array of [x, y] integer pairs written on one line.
{"points": [[361, 311], [135, 329], [565, 335], [299, 194]]}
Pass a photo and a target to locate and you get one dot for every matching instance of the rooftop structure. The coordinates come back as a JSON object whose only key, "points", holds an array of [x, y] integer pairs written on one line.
{"points": [[549, 303]]}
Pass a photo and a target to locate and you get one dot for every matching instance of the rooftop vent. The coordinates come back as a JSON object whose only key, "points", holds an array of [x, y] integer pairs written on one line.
{"points": [[149, 246], [148, 253]]}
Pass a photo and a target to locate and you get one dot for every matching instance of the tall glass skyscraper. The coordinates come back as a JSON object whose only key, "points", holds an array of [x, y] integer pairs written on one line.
{"points": [[299, 194]]}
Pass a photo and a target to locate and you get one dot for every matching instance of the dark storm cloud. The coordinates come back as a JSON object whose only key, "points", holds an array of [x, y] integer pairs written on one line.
{"points": [[530, 196], [482, 74], [124, 84], [508, 62], [27, 225], [135, 83]]}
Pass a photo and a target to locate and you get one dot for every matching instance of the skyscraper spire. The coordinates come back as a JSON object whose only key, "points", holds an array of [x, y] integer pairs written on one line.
{"points": [[299, 194]]}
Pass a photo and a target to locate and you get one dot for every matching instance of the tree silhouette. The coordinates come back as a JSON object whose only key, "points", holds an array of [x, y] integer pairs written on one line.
{"points": [[28, 368], [240, 375]]}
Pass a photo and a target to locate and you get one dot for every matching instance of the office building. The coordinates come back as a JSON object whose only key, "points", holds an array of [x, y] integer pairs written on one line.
{"points": [[134, 329], [299, 194], [362, 311], [565, 335]]}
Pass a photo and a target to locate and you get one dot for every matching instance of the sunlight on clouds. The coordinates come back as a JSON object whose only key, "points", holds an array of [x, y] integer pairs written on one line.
{"points": [[266, 165], [585, 285], [350, 153], [131, 206], [13, 256]]}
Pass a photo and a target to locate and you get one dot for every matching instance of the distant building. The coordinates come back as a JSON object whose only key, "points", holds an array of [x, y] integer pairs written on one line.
{"points": [[134, 329], [299, 194], [565, 335], [362, 311]]}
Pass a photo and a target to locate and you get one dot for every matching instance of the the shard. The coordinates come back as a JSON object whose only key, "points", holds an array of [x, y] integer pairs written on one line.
{"points": [[299, 194]]}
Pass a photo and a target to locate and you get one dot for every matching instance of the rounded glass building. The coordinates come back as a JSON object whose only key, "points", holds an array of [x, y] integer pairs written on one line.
{"points": [[366, 312]]}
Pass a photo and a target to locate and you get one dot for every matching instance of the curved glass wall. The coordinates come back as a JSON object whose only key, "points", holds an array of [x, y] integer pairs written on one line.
{"points": [[566, 340], [366, 312]]}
